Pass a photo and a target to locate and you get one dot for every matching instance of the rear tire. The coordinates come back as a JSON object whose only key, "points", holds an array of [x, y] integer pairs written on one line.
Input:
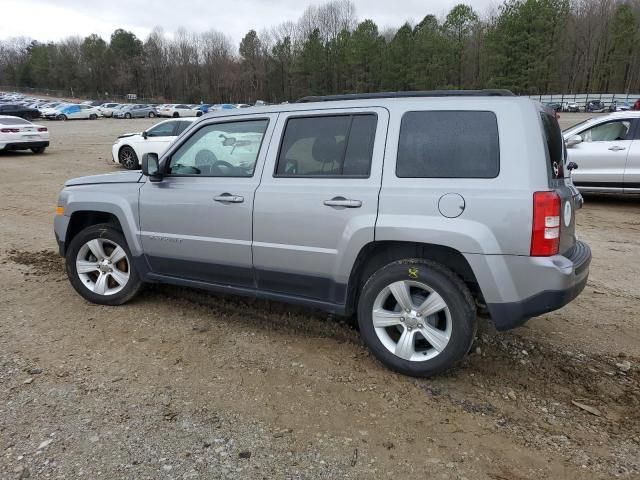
{"points": [[93, 116], [38, 150], [62, 117], [106, 275], [128, 158], [152, 115], [419, 342], [176, 114], [127, 115]]}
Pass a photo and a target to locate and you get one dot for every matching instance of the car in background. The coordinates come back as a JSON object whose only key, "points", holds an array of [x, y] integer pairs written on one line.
{"points": [[636, 105], [92, 103], [217, 106], [555, 106], [48, 110], [594, 106], [242, 105], [16, 133], [606, 151], [74, 112], [107, 109], [16, 110], [616, 106], [137, 110], [130, 147], [572, 107], [179, 110]]}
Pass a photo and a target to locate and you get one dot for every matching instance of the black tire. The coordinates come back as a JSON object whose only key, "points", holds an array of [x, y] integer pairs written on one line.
{"points": [[62, 117], [93, 116], [152, 115], [108, 232], [38, 150], [199, 114], [127, 115], [176, 114], [452, 290], [128, 158]]}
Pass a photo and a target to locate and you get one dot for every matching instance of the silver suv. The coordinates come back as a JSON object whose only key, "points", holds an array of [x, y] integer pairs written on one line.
{"points": [[413, 210]]}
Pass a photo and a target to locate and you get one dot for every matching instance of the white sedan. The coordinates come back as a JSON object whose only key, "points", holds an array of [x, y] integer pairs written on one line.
{"points": [[130, 147], [19, 134], [179, 110]]}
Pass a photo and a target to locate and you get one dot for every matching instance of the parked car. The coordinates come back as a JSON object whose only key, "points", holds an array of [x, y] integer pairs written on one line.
{"points": [[130, 147], [19, 111], [74, 112], [572, 107], [50, 111], [136, 111], [636, 105], [16, 133], [555, 106], [606, 150], [179, 110], [107, 109], [295, 203], [594, 106]]}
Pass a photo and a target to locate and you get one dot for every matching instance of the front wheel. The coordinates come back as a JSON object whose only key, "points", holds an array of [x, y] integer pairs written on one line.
{"points": [[127, 115], [93, 116], [417, 317], [62, 117], [38, 150], [128, 158], [176, 114], [152, 115], [99, 266]]}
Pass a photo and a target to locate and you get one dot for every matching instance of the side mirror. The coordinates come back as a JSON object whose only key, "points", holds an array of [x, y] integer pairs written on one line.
{"points": [[150, 167], [573, 140], [145, 134]]}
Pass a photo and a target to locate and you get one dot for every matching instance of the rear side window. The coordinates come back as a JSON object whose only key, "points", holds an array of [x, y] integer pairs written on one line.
{"points": [[327, 146], [442, 144], [555, 145]]}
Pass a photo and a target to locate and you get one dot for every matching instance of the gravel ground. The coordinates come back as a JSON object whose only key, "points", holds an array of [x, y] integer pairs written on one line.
{"points": [[183, 384]]}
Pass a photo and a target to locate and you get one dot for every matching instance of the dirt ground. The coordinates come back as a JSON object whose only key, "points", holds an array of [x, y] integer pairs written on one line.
{"points": [[182, 384]]}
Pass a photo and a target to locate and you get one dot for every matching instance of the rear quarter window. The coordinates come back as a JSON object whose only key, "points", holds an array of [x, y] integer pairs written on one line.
{"points": [[448, 144], [554, 144]]}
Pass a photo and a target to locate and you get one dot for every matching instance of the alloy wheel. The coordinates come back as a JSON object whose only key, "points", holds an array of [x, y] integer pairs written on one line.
{"points": [[103, 266]]}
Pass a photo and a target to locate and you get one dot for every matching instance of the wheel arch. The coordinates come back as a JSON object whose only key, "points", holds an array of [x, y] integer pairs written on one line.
{"points": [[82, 219], [377, 254]]}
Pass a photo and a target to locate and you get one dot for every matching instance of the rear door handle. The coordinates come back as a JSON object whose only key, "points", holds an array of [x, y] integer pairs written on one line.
{"points": [[229, 198], [343, 202], [616, 148]]}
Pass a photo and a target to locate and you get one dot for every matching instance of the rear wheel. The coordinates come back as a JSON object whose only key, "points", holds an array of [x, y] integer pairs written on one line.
{"points": [[127, 115], [417, 317], [62, 117], [38, 149], [128, 158], [152, 115], [93, 116], [99, 266], [199, 114], [176, 114]]}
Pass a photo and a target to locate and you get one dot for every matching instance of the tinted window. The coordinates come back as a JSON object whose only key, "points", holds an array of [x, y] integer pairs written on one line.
{"points": [[220, 150], [182, 126], [554, 143], [448, 145], [340, 145], [162, 130]]}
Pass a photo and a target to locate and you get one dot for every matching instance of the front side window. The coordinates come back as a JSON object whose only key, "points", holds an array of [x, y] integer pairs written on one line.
{"points": [[220, 150], [448, 144], [608, 132], [327, 146], [181, 127], [162, 130]]}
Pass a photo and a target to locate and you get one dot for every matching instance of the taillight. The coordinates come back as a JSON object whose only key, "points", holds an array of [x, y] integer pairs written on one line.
{"points": [[42, 129], [545, 237], [9, 130]]}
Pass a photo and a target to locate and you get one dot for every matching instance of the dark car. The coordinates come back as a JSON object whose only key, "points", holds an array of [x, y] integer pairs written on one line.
{"points": [[596, 106], [555, 106], [19, 111]]}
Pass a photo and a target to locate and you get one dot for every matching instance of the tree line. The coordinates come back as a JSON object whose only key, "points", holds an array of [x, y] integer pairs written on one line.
{"points": [[528, 46]]}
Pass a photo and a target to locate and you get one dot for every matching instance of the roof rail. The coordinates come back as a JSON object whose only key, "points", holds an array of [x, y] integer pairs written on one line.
{"points": [[424, 93]]}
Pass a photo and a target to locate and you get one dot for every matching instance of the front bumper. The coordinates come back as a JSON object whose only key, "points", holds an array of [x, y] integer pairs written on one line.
{"points": [[519, 288]]}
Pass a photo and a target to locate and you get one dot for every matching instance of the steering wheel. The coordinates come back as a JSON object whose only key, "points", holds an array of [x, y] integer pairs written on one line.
{"points": [[222, 163]]}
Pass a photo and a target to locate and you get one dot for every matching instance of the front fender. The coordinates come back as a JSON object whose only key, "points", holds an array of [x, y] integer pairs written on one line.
{"points": [[120, 200]]}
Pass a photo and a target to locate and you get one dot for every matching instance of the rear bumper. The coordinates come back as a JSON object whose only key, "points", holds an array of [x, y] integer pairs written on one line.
{"points": [[26, 145], [519, 288]]}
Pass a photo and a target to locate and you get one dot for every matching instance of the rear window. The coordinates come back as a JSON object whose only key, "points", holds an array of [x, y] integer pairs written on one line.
{"points": [[555, 145], [13, 121], [442, 144]]}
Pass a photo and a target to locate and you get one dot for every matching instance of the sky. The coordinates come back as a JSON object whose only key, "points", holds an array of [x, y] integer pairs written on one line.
{"points": [[45, 20]]}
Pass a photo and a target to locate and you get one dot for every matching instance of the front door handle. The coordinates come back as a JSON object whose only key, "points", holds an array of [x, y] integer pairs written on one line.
{"points": [[616, 148], [343, 202], [229, 198]]}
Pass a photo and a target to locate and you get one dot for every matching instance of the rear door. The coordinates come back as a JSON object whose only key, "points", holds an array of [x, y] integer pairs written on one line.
{"points": [[632, 169], [317, 203], [602, 155]]}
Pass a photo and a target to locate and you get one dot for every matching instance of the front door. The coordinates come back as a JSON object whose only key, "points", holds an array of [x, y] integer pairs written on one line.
{"points": [[602, 155], [317, 204], [196, 223]]}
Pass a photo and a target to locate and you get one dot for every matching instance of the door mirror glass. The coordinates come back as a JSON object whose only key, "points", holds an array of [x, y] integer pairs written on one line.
{"points": [[150, 167], [573, 140]]}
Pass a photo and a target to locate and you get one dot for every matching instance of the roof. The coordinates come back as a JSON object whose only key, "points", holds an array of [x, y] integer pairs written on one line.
{"points": [[412, 94]]}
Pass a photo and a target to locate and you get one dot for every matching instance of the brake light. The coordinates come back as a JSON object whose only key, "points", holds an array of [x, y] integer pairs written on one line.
{"points": [[545, 237], [42, 129], [9, 130]]}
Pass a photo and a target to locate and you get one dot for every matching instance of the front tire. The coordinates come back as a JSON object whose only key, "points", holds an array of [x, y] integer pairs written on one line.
{"points": [[417, 317], [127, 116], [38, 150], [99, 266], [176, 114], [62, 117], [93, 116], [128, 158], [152, 115]]}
